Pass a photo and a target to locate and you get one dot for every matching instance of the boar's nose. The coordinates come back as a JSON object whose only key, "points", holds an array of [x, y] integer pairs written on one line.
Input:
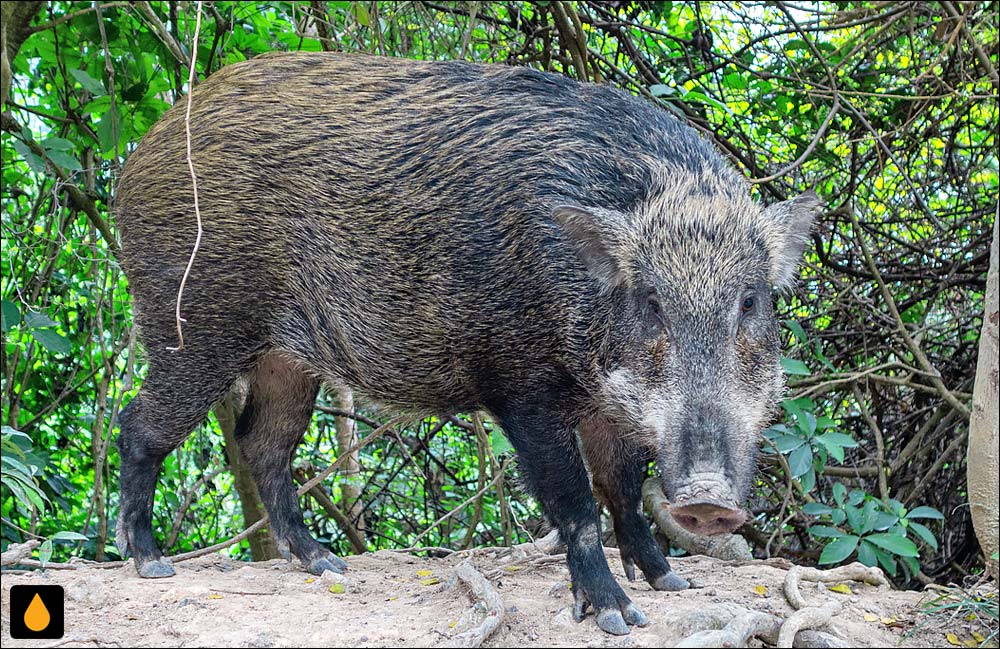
{"points": [[707, 518]]}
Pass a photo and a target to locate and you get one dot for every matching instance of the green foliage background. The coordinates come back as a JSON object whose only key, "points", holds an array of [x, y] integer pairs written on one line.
{"points": [[889, 110]]}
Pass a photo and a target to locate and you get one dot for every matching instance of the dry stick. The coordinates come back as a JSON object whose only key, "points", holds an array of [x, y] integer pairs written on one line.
{"points": [[809, 149], [983, 57], [933, 374], [194, 178], [500, 474], [161, 32], [490, 598], [883, 486]]}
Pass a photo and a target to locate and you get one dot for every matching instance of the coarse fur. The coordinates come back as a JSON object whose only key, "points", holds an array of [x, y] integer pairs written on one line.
{"points": [[442, 237]]}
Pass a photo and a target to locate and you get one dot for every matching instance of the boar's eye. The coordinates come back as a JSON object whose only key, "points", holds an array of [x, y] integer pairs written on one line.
{"points": [[748, 305], [654, 310]]}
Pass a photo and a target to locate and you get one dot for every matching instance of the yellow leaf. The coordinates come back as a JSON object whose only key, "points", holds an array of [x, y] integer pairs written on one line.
{"points": [[310, 580], [425, 573], [978, 637], [970, 643], [337, 589], [953, 639], [393, 599], [511, 568], [760, 590], [971, 617], [843, 589], [888, 621], [215, 596], [430, 581], [452, 625], [871, 617]]}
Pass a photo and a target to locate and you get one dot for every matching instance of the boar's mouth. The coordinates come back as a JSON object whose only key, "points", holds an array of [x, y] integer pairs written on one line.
{"points": [[707, 518], [706, 505]]}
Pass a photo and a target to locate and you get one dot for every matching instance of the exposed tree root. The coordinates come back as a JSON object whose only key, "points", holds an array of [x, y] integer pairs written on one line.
{"points": [[17, 552], [486, 596], [730, 547], [734, 626], [740, 628]]}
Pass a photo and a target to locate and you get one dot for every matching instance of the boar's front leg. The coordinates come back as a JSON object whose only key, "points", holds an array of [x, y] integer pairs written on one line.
{"points": [[554, 472], [617, 466]]}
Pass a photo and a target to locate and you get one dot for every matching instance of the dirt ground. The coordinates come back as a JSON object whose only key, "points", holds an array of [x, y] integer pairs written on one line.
{"points": [[394, 599]]}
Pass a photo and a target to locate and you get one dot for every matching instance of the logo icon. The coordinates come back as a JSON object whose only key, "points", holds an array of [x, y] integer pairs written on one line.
{"points": [[36, 612]]}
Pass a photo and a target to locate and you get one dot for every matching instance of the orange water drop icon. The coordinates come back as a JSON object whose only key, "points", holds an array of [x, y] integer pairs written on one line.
{"points": [[37, 617]]}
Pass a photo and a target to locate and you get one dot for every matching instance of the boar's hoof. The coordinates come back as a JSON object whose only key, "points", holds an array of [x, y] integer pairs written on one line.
{"points": [[330, 562], [154, 568], [670, 581], [614, 622]]}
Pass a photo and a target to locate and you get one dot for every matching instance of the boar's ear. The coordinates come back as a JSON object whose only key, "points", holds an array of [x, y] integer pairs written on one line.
{"points": [[793, 220], [584, 228]]}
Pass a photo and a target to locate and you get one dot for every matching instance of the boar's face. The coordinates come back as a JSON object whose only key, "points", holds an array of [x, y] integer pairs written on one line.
{"points": [[691, 365]]}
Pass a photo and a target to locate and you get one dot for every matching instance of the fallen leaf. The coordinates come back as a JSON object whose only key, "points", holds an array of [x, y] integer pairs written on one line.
{"points": [[970, 643], [971, 617], [425, 573], [310, 580], [760, 590], [337, 589], [430, 581], [953, 639], [843, 589], [888, 621], [452, 625], [215, 596], [511, 568], [978, 637], [871, 617]]}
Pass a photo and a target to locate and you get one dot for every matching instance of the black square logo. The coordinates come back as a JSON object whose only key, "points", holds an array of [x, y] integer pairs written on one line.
{"points": [[36, 612]]}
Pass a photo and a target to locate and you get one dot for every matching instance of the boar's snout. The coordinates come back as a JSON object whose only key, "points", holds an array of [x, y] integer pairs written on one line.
{"points": [[707, 518]]}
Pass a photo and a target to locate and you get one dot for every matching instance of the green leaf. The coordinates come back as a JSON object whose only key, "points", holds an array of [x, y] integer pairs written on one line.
{"points": [[34, 320], [884, 521], [840, 439], [35, 163], [92, 85], [825, 531], [900, 545], [794, 366], [68, 536], [866, 553], [58, 144], [925, 512], [816, 509], [925, 534], [45, 552], [787, 443], [52, 341], [839, 491], [797, 330], [499, 443], [806, 422], [10, 316], [853, 517], [838, 549], [65, 160], [800, 460]]}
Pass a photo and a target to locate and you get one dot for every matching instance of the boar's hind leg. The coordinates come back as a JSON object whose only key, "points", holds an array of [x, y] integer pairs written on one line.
{"points": [[178, 390], [617, 467], [555, 474], [275, 417]]}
